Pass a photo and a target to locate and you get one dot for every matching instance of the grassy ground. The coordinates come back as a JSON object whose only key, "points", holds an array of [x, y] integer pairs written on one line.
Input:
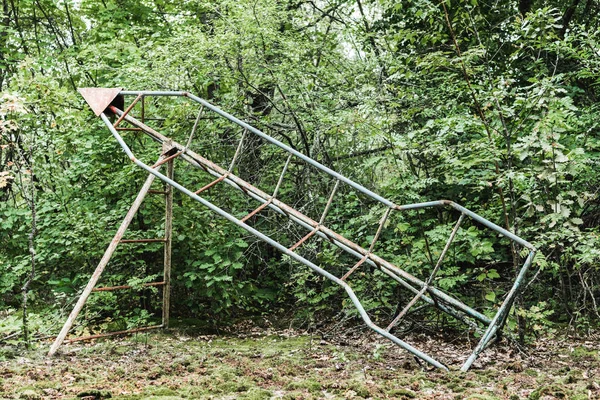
{"points": [[264, 364]]}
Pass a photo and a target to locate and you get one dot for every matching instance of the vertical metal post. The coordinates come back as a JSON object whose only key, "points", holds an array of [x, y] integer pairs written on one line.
{"points": [[168, 240]]}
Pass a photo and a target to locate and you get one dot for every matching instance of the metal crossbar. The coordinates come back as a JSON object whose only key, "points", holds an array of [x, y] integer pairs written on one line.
{"points": [[422, 290]]}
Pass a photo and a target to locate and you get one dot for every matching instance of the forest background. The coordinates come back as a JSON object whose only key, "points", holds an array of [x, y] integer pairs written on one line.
{"points": [[491, 104]]}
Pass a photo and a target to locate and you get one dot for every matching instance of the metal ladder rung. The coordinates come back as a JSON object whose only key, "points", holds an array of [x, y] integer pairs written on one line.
{"points": [[304, 239], [113, 288], [142, 240], [257, 210], [213, 183]]}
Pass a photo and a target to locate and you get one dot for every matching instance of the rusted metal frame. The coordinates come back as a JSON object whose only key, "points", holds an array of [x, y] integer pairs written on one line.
{"points": [[142, 241], [265, 204], [166, 307], [281, 175], [195, 159], [501, 314], [425, 287], [127, 110], [355, 267], [102, 264], [103, 335], [122, 287], [338, 240], [329, 202], [257, 210], [457, 313], [307, 222], [278, 246], [290, 150], [329, 171], [379, 229]]}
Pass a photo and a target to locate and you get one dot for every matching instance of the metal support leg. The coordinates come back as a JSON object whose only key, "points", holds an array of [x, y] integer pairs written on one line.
{"points": [[500, 315]]}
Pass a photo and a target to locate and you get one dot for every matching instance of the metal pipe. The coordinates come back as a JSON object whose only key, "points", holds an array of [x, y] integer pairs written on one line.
{"points": [[275, 244], [280, 180], [329, 201], [358, 264], [329, 171], [127, 110], [500, 313], [304, 239], [237, 151], [490, 225], [187, 145], [415, 206], [151, 93]]}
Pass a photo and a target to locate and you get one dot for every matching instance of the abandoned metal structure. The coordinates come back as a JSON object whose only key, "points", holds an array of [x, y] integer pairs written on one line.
{"points": [[110, 101]]}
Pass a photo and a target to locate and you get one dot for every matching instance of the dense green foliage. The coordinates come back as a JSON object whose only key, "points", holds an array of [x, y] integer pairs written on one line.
{"points": [[491, 105]]}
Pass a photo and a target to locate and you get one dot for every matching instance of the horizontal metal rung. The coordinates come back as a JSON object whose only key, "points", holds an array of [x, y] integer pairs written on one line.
{"points": [[113, 288], [213, 183], [358, 264], [130, 129], [304, 239], [257, 210], [143, 240], [161, 162], [102, 335]]}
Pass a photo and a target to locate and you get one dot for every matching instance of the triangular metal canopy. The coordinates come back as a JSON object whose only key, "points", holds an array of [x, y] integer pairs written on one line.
{"points": [[99, 98]]}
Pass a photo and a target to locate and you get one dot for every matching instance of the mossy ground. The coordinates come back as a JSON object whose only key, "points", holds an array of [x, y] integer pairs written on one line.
{"points": [[266, 364]]}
